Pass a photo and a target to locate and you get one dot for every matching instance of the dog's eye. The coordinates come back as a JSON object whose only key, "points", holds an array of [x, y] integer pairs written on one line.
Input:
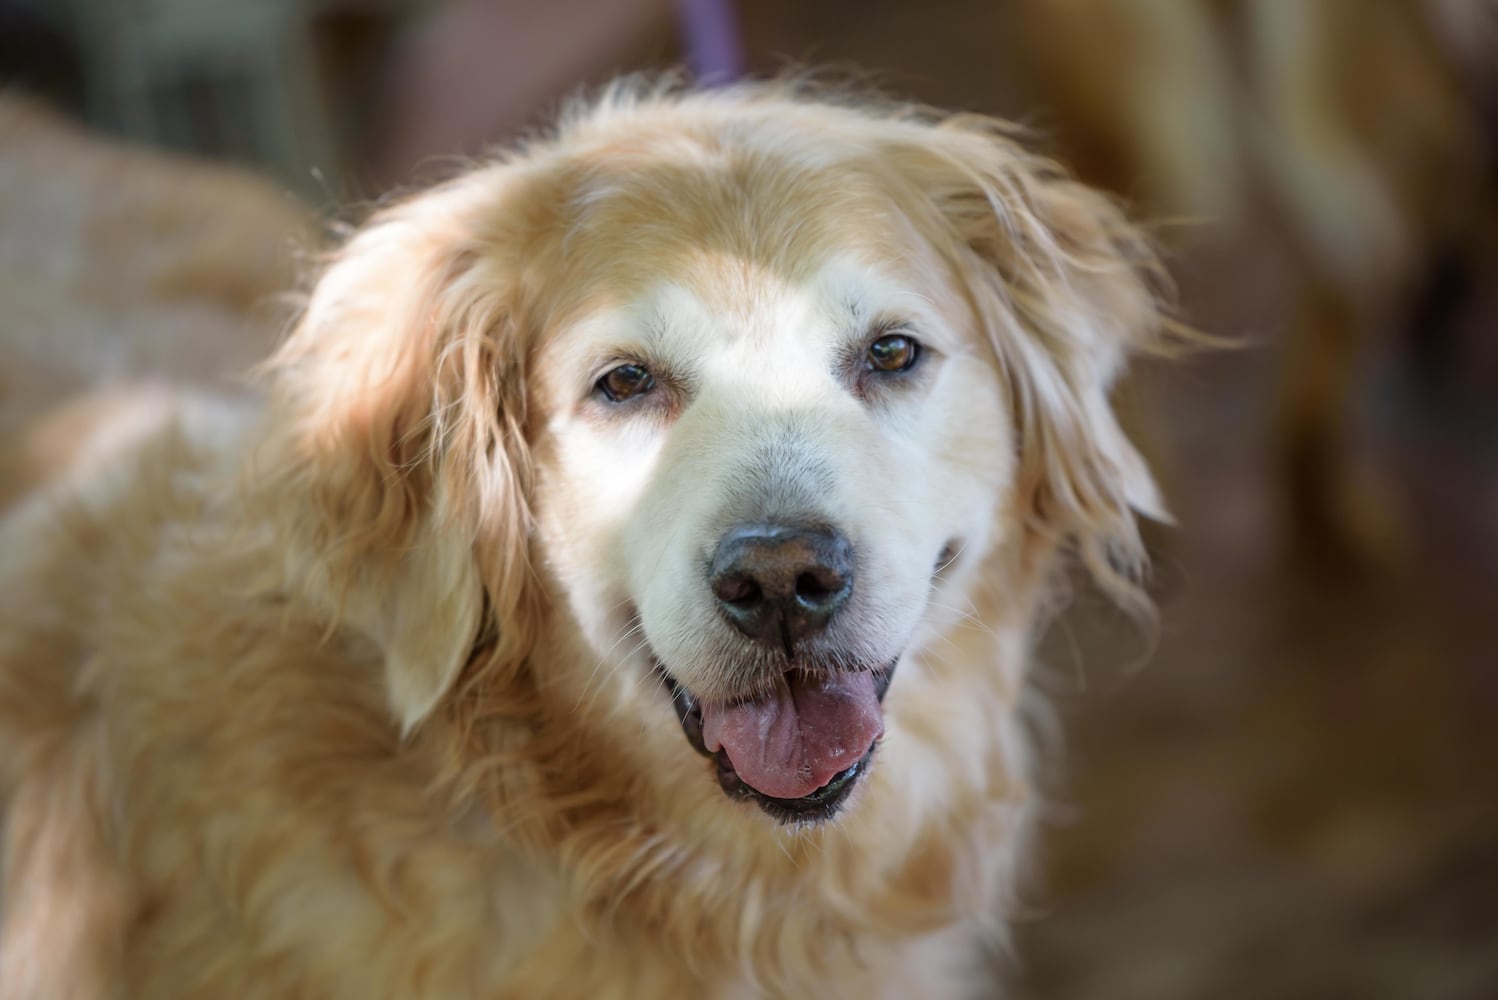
{"points": [[894, 352], [626, 381]]}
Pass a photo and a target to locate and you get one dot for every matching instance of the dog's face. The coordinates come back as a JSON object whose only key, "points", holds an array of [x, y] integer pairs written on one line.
{"points": [[720, 408], [752, 481]]}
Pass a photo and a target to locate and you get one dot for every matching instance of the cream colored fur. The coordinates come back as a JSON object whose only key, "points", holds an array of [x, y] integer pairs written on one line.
{"points": [[348, 693]]}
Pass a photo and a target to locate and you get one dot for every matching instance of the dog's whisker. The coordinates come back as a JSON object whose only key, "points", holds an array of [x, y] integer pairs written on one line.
{"points": [[636, 629], [967, 618], [591, 690], [947, 562]]}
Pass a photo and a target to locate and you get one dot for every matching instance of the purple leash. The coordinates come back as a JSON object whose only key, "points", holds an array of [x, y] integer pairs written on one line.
{"points": [[715, 53]]}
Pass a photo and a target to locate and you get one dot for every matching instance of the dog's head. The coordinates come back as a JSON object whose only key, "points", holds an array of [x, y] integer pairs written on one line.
{"points": [[724, 404]]}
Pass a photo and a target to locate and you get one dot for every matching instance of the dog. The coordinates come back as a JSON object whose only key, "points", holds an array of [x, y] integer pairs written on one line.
{"points": [[623, 586], [121, 264]]}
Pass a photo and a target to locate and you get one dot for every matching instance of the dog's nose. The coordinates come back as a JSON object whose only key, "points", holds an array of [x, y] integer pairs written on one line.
{"points": [[779, 584]]}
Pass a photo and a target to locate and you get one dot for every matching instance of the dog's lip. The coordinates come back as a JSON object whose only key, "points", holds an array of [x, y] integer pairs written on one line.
{"points": [[819, 804], [688, 711]]}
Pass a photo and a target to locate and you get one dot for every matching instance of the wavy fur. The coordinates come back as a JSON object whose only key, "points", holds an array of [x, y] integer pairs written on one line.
{"points": [[310, 687]]}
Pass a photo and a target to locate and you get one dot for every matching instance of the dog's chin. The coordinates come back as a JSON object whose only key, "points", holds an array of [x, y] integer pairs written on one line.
{"points": [[821, 795]]}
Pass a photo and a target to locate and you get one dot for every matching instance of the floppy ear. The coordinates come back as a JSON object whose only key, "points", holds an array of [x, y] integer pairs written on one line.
{"points": [[396, 470], [1067, 290]]}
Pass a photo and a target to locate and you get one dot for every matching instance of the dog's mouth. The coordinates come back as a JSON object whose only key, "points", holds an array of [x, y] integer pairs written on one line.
{"points": [[798, 750]]}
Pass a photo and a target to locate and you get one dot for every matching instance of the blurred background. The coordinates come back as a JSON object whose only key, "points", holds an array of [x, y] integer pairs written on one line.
{"points": [[1292, 790]]}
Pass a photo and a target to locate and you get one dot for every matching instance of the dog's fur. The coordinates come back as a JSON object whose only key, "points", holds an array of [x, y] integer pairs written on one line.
{"points": [[351, 694]]}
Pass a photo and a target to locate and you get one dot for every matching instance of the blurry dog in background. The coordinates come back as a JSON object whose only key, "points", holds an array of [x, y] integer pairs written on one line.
{"points": [[118, 264], [1369, 131], [626, 588]]}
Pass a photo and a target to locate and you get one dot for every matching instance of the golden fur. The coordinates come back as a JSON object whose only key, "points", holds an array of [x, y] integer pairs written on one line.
{"points": [[330, 696]]}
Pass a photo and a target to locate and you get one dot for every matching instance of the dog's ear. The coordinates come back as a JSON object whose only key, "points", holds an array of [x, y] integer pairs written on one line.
{"points": [[396, 469], [1067, 290]]}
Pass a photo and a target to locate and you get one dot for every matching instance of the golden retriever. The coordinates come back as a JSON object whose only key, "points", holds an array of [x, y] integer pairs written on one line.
{"points": [[624, 590]]}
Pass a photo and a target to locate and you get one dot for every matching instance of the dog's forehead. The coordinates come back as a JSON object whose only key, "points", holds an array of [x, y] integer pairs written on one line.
{"points": [[725, 217], [722, 305], [732, 299]]}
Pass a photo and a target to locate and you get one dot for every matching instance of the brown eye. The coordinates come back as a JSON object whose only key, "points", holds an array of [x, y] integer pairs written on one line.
{"points": [[625, 382], [894, 352]]}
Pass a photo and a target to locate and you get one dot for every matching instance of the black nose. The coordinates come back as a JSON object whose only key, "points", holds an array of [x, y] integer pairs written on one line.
{"points": [[779, 584]]}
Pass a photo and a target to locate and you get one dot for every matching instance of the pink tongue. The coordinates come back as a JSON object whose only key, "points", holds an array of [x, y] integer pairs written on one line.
{"points": [[794, 740]]}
